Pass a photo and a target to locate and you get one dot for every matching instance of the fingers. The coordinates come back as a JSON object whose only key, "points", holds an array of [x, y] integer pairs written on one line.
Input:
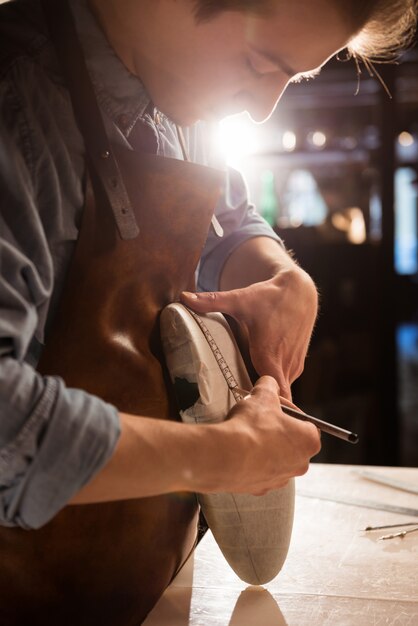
{"points": [[266, 383], [269, 360], [315, 441], [235, 303], [269, 384], [285, 390], [267, 394], [269, 448], [207, 302], [286, 402]]}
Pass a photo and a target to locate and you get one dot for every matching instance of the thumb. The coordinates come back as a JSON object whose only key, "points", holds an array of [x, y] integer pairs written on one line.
{"points": [[270, 365], [211, 301]]}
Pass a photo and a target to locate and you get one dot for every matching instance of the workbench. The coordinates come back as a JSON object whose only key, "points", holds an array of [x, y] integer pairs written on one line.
{"points": [[336, 574]]}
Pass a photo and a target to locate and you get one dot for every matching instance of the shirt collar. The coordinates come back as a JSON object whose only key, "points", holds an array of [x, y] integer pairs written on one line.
{"points": [[120, 94]]}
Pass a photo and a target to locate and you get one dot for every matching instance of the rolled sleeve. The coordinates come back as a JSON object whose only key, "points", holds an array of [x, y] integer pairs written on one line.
{"points": [[66, 440], [240, 221], [52, 439]]}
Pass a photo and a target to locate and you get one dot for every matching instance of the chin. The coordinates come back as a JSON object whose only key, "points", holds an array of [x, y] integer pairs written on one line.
{"points": [[181, 116], [183, 120], [220, 113]]}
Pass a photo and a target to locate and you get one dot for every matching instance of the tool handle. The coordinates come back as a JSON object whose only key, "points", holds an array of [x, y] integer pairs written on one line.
{"points": [[325, 427]]}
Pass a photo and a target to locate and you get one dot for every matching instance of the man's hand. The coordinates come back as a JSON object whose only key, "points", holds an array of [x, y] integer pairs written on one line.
{"points": [[261, 446], [276, 316], [256, 449]]}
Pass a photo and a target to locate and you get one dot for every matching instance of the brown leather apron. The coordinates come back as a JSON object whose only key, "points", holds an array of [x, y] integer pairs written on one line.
{"points": [[107, 564]]}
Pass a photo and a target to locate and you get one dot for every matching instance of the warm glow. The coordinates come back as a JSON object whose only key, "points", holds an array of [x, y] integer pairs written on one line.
{"points": [[236, 138], [357, 230], [318, 139], [405, 139], [289, 140], [124, 341], [351, 221]]}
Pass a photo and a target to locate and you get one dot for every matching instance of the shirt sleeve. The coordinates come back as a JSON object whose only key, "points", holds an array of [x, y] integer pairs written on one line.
{"points": [[52, 439], [240, 221]]}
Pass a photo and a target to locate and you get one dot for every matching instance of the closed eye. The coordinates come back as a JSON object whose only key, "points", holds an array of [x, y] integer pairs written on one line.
{"points": [[260, 64], [254, 71], [263, 62]]}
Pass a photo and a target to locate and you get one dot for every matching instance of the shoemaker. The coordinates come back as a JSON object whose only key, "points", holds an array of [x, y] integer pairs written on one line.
{"points": [[112, 201]]}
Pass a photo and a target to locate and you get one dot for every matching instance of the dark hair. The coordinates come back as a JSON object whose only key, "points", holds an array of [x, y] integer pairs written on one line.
{"points": [[382, 28]]}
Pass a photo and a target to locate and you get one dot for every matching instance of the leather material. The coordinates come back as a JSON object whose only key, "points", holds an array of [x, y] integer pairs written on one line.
{"points": [[107, 564], [63, 33]]}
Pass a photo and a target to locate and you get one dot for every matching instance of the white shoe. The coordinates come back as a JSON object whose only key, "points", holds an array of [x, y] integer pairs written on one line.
{"points": [[253, 532]]}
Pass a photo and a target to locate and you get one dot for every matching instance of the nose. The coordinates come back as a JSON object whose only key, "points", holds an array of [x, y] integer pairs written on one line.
{"points": [[260, 99]]}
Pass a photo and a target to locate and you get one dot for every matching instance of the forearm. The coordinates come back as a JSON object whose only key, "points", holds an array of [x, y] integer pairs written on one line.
{"points": [[259, 259], [154, 457], [275, 302], [240, 454]]}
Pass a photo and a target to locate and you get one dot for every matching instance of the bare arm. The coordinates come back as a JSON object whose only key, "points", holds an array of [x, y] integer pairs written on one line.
{"points": [[274, 301], [259, 448], [254, 261]]}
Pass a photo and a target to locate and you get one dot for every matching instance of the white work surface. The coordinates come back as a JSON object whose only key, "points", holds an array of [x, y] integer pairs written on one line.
{"points": [[335, 573]]}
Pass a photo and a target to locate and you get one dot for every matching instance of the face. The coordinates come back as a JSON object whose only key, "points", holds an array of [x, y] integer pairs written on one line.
{"points": [[235, 62]]}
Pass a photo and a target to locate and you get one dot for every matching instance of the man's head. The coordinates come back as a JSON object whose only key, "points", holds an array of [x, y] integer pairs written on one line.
{"points": [[202, 59]]}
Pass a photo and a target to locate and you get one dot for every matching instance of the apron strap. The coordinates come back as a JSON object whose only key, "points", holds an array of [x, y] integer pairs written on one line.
{"points": [[88, 115], [217, 228]]}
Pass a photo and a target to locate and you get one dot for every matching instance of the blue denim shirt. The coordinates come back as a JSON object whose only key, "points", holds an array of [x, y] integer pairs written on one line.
{"points": [[54, 439]]}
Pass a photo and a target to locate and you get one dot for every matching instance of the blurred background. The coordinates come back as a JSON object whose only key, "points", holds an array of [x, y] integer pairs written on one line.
{"points": [[335, 172]]}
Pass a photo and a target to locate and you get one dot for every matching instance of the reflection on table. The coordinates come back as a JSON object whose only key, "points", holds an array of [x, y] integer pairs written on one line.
{"points": [[335, 574]]}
